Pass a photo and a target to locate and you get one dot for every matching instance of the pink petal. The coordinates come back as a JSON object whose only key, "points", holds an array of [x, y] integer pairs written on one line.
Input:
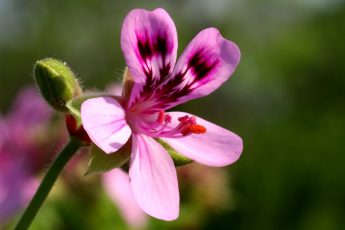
{"points": [[149, 44], [16, 188], [31, 187], [153, 179], [116, 184], [217, 147], [3, 132], [207, 62], [104, 121]]}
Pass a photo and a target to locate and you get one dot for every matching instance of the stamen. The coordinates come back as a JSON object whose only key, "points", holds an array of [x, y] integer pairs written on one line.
{"points": [[183, 119], [167, 118], [187, 126], [161, 117], [193, 129]]}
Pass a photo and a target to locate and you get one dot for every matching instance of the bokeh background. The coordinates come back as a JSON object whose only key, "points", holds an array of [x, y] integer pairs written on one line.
{"points": [[286, 100]]}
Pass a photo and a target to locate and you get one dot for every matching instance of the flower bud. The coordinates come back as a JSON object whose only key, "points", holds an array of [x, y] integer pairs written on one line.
{"points": [[56, 82]]}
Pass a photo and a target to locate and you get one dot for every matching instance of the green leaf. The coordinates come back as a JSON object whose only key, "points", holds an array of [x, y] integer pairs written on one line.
{"points": [[103, 162], [178, 158]]}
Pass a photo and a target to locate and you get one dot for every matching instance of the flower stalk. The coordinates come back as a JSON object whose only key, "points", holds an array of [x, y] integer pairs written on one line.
{"points": [[48, 181]]}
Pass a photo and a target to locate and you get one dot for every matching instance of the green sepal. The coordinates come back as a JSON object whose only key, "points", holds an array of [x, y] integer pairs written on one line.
{"points": [[102, 162], [74, 105], [56, 82], [178, 158]]}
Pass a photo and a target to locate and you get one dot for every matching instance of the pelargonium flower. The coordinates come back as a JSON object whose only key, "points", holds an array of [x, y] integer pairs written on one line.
{"points": [[20, 152], [149, 44]]}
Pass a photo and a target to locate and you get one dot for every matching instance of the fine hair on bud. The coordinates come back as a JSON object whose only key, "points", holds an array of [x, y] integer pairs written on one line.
{"points": [[56, 82]]}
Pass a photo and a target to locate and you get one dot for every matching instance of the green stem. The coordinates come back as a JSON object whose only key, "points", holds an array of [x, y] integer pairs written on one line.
{"points": [[47, 183]]}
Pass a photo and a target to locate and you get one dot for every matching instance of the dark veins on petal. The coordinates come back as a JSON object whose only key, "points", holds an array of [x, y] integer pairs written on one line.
{"points": [[200, 64], [158, 48], [165, 89], [144, 49], [161, 47]]}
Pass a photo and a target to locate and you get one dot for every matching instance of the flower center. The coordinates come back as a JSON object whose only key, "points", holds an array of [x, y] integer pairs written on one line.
{"points": [[159, 124]]}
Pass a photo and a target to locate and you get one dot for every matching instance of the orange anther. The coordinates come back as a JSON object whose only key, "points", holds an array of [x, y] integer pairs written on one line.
{"points": [[197, 129]]}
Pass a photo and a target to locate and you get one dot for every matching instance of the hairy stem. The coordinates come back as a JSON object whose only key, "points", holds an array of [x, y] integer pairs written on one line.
{"points": [[47, 183]]}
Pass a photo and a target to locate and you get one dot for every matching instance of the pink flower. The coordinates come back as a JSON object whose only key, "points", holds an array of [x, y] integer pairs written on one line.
{"points": [[20, 152], [116, 184], [149, 44], [25, 122], [17, 186]]}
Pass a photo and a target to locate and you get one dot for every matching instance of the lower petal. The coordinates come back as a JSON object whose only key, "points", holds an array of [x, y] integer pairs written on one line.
{"points": [[153, 179], [217, 147], [104, 121]]}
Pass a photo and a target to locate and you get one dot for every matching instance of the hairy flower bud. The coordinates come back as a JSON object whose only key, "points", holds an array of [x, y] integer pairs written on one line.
{"points": [[56, 82]]}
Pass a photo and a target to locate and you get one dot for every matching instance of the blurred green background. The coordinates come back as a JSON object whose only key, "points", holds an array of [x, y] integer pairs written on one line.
{"points": [[286, 99]]}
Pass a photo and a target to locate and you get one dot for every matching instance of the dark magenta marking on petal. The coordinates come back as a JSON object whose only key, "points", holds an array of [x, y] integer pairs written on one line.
{"points": [[201, 65], [158, 47], [171, 91], [164, 72], [146, 53], [161, 46], [144, 49]]}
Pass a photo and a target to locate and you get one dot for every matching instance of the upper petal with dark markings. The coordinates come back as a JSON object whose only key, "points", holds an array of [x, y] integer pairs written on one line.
{"points": [[207, 62], [149, 44]]}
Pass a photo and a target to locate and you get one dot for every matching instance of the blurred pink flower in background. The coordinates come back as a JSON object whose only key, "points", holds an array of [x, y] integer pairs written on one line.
{"points": [[116, 184], [17, 186], [25, 148]]}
